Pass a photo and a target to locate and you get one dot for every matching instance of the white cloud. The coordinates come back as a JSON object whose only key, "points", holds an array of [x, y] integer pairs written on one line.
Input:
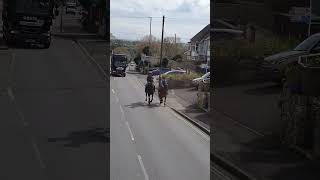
{"points": [[184, 17]]}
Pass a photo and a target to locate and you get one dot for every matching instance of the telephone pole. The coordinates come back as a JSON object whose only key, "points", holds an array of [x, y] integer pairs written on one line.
{"points": [[150, 38], [161, 48], [310, 18], [61, 18]]}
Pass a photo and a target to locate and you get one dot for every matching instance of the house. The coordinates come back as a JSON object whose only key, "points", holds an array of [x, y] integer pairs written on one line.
{"points": [[199, 45]]}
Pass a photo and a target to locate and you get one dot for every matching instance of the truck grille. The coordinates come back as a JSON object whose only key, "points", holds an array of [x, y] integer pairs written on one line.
{"points": [[29, 29]]}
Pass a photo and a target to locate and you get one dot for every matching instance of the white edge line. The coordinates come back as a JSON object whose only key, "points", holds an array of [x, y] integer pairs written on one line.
{"points": [[131, 134], [205, 136], [146, 177]]}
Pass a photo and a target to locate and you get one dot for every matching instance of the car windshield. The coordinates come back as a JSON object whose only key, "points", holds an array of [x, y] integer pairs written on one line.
{"points": [[26, 6], [308, 43]]}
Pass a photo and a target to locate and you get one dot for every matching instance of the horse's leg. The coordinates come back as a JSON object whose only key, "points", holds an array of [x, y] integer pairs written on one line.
{"points": [[146, 96]]}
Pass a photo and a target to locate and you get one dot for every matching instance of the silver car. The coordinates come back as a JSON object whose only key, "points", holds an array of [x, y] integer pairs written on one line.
{"points": [[274, 66]]}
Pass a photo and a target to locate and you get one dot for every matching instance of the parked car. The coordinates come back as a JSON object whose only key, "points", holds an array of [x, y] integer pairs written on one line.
{"points": [[274, 66], [203, 78], [156, 72], [175, 72]]}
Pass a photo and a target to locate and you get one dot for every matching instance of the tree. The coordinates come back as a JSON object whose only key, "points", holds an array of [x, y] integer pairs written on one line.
{"points": [[177, 58], [154, 47], [165, 62], [137, 59], [172, 48], [146, 51]]}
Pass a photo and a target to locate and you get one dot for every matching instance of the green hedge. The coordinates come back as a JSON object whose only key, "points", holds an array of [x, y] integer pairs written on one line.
{"points": [[186, 76], [261, 48]]}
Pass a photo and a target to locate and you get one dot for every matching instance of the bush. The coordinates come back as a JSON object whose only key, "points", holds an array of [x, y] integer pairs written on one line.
{"points": [[261, 48], [183, 77]]}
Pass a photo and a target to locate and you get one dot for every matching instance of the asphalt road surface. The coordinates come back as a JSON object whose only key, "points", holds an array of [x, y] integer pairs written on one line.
{"points": [[54, 117], [152, 142]]}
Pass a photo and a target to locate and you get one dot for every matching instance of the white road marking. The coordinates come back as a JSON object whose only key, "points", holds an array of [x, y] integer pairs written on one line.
{"points": [[113, 91], [205, 136], [35, 147], [11, 95], [218, 172], [146, 177], [131, 134], [121, 109]]}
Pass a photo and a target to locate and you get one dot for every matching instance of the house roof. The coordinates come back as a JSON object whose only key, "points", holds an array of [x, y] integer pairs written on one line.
{"points": [[205, 32]]}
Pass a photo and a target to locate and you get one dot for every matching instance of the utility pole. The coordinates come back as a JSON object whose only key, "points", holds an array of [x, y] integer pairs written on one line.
{"points": [[310, 18], [175, 39], [161, 49], [61, 18], [150, 33]]}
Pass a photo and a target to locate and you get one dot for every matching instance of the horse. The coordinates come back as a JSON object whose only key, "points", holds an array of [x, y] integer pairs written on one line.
{"points": [[149, 90], [163, 92]]}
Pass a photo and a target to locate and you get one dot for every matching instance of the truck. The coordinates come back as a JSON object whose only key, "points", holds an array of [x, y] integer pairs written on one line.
{"points": [[119, 63], [71, 7], [27, 21]]}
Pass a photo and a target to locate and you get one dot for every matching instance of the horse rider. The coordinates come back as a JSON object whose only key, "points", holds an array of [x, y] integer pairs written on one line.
{"points": [[150, 77], [163, 83]]}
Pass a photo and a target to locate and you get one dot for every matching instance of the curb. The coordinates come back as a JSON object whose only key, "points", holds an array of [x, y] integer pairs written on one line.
{"points": [[230, 167], [94, 62], [194, 122]]}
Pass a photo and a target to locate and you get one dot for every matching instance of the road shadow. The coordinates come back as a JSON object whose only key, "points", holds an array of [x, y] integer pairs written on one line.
{"points": [[77, 138], [143, 104], [265, 90]]}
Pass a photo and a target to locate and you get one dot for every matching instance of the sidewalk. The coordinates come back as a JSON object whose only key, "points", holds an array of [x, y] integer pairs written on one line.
{"points": [[242, 151], [248, 154]]}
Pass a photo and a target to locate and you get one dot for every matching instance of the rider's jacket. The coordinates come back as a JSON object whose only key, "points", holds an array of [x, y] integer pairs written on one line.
{"points": [[150, 78], [164, 83]]}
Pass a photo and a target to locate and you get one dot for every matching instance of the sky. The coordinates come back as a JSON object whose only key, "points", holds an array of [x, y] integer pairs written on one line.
{"points": [[185, 18]]}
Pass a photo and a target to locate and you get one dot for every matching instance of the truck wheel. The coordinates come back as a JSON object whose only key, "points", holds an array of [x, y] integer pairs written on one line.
{"points": [[124, 75]]}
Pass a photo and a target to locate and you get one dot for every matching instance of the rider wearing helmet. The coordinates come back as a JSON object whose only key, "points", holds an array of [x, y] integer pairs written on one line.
{"points": [[150, 78]]}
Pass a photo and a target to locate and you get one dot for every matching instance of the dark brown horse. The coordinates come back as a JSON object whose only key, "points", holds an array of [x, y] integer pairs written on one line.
{"points": [[149, 90], [163, 92]]}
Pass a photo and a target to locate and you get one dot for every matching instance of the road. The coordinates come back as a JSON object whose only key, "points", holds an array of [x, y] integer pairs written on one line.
{"points": [[152, 142], [54, 116]]}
